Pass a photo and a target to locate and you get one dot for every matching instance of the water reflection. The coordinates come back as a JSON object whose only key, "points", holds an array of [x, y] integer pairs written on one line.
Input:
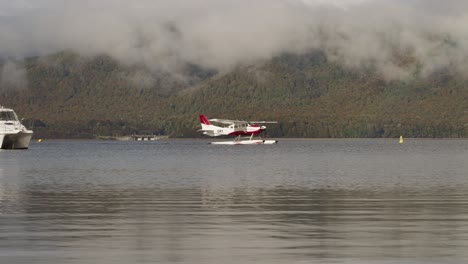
{"points": [[313, 202], [258, 225]]}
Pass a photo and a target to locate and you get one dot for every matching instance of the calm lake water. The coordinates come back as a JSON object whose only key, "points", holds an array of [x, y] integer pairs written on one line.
{"points": [[185, 201]]}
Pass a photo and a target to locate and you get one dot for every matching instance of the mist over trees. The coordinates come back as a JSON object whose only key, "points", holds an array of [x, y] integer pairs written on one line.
{"points": [[310, 95], [341, 68]]}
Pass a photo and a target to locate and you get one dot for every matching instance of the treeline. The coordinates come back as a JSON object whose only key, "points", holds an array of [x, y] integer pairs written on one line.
{"points": [[77, 97]]}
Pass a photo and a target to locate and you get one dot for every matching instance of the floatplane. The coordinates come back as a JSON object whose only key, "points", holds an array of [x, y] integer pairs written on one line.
{"points": [[237, 128]]}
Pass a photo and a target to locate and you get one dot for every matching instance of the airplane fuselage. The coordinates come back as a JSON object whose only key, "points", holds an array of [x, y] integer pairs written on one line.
{"points": [[247, 131], [215, 131]]}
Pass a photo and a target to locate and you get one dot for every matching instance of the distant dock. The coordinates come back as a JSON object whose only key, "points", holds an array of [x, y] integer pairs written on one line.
{"points": [[145, 137], [134, 137]]}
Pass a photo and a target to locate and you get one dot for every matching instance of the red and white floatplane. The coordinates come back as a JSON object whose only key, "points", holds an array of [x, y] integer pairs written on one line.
{"points": [[235, 128]]}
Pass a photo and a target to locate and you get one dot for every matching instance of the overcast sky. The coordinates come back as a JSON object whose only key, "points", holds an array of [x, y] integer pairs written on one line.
{"points": [[220, 34]]}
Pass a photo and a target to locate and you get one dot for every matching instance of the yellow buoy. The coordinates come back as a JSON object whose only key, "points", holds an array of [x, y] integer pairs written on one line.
{"points": [[401, 139], [39, 140]]}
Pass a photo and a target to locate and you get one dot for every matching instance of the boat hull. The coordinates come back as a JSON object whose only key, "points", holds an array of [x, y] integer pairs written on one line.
{"points": [[18, 140]]}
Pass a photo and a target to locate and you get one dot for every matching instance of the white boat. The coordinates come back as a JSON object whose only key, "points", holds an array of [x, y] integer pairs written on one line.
{"points": [[13, 135]]}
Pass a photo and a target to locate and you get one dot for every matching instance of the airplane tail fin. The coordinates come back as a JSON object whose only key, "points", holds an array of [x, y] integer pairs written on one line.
{"points": [[204, 120]]}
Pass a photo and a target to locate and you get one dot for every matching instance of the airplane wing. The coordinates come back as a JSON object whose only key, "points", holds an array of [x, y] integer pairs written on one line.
{"points": [[263, 122], [228, 121]]}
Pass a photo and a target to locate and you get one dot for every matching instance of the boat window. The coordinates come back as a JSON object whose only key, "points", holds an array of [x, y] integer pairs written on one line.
{"points": [[7, 116]]}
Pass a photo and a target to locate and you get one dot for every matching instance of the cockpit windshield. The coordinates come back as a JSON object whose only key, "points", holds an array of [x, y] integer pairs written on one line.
{"points": [[7, 116]]}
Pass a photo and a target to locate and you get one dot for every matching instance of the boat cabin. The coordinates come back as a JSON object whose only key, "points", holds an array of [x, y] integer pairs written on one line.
{"points": [[7, 115]]}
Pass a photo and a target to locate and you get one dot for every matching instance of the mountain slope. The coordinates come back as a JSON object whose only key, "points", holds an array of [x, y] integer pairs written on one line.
{"points": [[309, 95]]}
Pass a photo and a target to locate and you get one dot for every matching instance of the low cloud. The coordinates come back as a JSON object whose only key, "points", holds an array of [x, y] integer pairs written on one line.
{"points": [[13, 76], [400, 38]]}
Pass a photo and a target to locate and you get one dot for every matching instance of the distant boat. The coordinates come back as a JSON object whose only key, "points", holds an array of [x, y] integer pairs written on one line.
{"points": [[401, 139], [13, 135]]}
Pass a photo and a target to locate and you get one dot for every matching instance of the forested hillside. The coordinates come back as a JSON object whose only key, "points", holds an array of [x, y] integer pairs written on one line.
{"points": [[68, 96]]}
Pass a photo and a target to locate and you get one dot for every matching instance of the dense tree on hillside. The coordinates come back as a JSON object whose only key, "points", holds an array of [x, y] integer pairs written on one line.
{"points": [[309, 95]]}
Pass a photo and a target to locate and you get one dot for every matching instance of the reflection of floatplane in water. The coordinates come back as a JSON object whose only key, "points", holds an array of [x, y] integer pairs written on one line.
{"points": [[236, 128]]}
